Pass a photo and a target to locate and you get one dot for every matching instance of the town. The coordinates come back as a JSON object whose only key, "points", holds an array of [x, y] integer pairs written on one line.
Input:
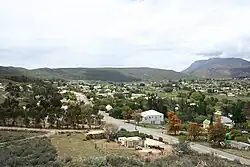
{"points": [[152, 120]]}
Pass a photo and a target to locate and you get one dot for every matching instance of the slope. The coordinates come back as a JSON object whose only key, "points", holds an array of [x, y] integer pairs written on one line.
{"points": [[102, 74], [218, 67]]}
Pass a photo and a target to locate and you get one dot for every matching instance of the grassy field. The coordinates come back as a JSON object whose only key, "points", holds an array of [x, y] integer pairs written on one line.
{"points": [[75, 146], [7, 136]]}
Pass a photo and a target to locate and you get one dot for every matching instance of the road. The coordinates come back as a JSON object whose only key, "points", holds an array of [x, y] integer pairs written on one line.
{"points": [[173, 140]]}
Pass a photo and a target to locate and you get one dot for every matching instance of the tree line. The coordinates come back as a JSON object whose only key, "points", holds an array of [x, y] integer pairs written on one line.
{"points": [[42, 106]]}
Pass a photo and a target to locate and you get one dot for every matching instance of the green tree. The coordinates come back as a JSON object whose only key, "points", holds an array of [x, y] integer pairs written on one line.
{"points": [[87, 112], [127, 113], [237, 112], [137, 117]]}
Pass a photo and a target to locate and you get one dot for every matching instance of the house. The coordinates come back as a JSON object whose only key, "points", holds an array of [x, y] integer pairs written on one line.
{"points": [[206, 124], [109, 107], [224, 120], [152, 117], [227, 121], [130, 142]]}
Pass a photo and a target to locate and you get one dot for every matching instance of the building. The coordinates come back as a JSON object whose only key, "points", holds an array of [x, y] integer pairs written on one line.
{"points": [[130, 142], [152, 117], [206, 124], [109, 107]]}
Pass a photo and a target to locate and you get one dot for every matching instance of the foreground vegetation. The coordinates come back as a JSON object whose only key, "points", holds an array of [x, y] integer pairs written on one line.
{"points": [[6, 136], [76, 145], [183, 157], [35, 152]]}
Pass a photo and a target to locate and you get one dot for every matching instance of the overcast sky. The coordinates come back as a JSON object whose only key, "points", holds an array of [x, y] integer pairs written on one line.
{"points": [[168, 34]]}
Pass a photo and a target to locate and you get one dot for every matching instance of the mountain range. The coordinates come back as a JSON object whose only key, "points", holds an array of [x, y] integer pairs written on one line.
{"points": [[211, 68], [101, 74], [219, 68]]}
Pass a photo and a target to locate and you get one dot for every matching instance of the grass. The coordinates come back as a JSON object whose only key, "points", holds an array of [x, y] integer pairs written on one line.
{"points": [[152, 126], [75, 146], [7, 136]]}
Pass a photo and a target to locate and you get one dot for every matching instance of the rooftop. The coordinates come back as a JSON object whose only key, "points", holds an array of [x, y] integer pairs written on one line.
{"points": [[151, 112]]}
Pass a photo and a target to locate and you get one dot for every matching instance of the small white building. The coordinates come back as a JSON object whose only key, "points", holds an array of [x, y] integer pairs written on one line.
{"points": [[130, 142], [109, 107], [152, 117]]}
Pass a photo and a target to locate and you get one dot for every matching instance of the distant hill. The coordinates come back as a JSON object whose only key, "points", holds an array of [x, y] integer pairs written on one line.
{"points": [[102, 74], [219, 68]]}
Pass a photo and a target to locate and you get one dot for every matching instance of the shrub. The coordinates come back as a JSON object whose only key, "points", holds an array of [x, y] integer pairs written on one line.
{"points": [[151, 137], [184, 138], [235, 133], [184, 147], [68, 159], [241, 139], [88, 137]]}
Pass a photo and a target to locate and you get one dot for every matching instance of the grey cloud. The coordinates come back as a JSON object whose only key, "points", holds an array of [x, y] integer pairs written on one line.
{"points": [[211, 54]]}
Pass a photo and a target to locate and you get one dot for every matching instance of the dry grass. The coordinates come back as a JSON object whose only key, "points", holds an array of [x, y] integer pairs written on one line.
{"points": [[76, 147]]}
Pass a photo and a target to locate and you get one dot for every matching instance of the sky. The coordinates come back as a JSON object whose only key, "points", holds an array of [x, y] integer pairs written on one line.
{"points": [[167, 34]]}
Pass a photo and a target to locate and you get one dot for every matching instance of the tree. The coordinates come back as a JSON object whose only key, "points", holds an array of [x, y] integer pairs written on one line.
{"points": [[137, 117], [197, 96], [174, 123], [87, 113], [127, 113], [111, 131], [194, 130], [168, 89], [217, 132], [237, 112], [246, 110]]}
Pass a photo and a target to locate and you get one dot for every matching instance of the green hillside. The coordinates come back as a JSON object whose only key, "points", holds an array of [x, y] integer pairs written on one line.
{"points": [[102, 74]]}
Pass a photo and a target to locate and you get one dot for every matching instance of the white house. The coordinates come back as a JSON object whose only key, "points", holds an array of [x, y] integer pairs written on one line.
{"points": [[152, 117], [109, 107]]}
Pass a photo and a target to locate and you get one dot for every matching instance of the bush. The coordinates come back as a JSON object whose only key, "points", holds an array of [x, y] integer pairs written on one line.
{"points": [[68, 159], [151, 137], [88, 137], [184, 138], [160, 139], [241, 139], [185, 127], [184, 147], [235, 133]]}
